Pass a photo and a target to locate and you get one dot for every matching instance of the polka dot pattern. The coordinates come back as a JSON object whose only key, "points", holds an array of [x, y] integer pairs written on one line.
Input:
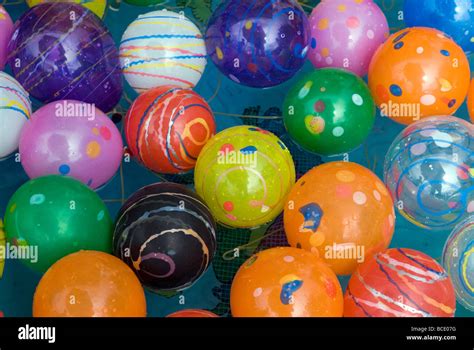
{"points": [[337, 27]]}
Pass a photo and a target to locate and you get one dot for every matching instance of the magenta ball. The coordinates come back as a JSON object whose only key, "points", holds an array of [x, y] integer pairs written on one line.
{"points": [[74, 139], [346, 33], [6, 31]]}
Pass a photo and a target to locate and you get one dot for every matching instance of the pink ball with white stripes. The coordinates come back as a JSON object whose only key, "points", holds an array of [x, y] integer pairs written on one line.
{"points": [[346, 33]]}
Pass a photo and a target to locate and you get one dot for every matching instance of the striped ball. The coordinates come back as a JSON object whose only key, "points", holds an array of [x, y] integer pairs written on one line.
{"points": [[161, 48], [166, 128], [400, 283], [15, 110]]}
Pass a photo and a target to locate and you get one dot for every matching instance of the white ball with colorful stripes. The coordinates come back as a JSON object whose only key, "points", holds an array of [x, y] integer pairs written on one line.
{"points": [[162, 48], [15, 110]]}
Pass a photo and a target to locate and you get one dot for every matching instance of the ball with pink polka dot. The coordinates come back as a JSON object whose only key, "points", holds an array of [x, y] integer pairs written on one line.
{"points": [[429, 170], [346, 33], [341, 212], [74, 139]]}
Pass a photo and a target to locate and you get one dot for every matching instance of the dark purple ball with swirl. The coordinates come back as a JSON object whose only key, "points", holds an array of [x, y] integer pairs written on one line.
{"points": [[258, 43], [167, 236], [63, 51]]}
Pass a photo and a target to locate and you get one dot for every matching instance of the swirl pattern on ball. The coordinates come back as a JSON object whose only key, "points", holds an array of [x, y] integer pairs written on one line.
{"points": [[400, 283], [458, 260], [166, 128], [15, 110], [244, 174], [429, 170], [167, 236], [63, 51], [161, 48], [258, 43]]}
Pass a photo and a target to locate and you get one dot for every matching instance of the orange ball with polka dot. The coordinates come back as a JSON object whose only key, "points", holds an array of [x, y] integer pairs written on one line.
{"points": [[341, 212], [285, 282], [470, 101], [418, 72]]}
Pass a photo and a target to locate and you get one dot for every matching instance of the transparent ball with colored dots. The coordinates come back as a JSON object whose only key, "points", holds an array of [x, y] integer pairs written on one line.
{"points": [[458, 260], [429, 170], [244, 175]]}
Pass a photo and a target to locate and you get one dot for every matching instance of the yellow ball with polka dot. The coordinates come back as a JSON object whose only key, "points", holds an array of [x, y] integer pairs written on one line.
{"points": [[96, 6], [244, 175], [341, 212]]}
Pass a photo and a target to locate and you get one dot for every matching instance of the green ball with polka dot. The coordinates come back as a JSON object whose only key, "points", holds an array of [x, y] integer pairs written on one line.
{"points": [[52, 216], [329, 112]]}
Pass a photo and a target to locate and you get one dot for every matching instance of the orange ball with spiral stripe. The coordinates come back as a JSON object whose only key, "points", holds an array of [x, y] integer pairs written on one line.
{"points": [[166, 128]]}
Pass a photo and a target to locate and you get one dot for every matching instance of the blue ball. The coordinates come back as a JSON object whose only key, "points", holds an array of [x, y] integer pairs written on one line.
{"points": [[455, 18]]}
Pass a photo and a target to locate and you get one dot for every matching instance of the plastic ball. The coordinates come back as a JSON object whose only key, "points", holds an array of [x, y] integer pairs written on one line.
{"points": [[59, 215], [166, 128], [244, 174], [458, 260], [341, 212], [96, 6], [429, 170], [285, 282], [166, 235], [455, 18], [63, 51], [417, 73], [258, 43], [6, 31], [346, 33], [329, 111], [400, 283], [144, 2], [99, 284], [15, 107], [195, 313], [71, 138], [161, 48], [470, 101]]}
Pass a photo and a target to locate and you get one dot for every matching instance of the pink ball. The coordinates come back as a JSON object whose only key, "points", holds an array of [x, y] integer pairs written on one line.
{"points": [[71, 138], [6, 31], [346, 33]]}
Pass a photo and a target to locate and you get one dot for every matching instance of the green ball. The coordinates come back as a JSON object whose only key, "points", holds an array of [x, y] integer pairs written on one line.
{"points": [[329, 112], [59, 216], [144, 2]]}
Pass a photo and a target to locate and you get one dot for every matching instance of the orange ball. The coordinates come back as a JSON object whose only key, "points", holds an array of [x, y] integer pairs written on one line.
{"points": [[470, 101], [194, 313], [418, 72], [341, 212], [285, 282], [89, 284]]}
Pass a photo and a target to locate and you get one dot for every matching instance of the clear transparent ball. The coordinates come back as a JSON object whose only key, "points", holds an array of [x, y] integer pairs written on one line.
{"points": [[429, 170], [458, 260]]}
